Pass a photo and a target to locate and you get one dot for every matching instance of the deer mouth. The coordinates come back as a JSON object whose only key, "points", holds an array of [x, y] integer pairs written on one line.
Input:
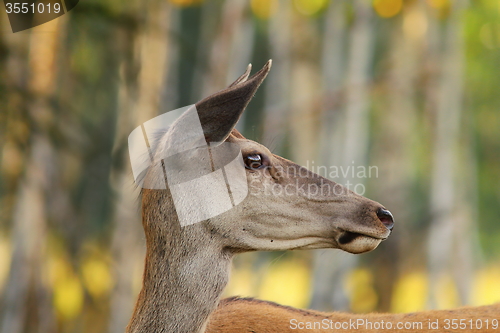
{"points": [[355, 242], [349, 236]]}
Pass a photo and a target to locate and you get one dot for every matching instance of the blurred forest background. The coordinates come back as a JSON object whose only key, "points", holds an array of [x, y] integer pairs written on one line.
{"points": [[408, 86]]}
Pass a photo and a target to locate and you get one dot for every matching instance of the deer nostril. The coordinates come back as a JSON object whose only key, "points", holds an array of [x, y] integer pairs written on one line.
{"points": [[386, 218]]}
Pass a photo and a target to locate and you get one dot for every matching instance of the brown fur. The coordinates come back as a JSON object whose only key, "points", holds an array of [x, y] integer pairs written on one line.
{"points": [[247, 315]]}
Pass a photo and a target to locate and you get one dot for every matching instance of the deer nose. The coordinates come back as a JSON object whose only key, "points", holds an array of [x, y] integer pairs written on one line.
{"points": [[386, 218]]}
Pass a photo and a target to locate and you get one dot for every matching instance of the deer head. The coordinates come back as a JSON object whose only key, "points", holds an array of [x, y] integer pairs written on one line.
{"points": [[287, 207], [274, 203]]}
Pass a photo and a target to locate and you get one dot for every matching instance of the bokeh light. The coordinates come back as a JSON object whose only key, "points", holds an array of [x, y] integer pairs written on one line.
{"points": [[363, 297], [310, 7], [490, 35], [264, 9], [439, 4], [186, 3], [410, 293], [415, 24], [387, 8]]}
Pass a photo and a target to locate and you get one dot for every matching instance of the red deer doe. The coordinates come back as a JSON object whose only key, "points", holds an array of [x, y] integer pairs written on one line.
{"points": [[187, 266]]}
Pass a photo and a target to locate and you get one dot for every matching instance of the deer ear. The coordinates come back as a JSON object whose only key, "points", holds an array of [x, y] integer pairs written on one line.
{"points": [[243, 77], [220, 112]]}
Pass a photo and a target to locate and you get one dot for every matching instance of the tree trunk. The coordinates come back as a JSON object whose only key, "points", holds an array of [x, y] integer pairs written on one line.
{"points": [[331, 269], [327, 283], [394, 154], [137, 104], [27, 300], [451, 225], [277, 101]]}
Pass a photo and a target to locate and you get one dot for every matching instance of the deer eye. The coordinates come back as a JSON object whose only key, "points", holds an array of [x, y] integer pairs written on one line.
{"points": [[254, 161]]}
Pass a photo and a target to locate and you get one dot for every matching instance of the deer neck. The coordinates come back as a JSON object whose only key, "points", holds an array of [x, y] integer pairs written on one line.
{"points": [[184, 276]]}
